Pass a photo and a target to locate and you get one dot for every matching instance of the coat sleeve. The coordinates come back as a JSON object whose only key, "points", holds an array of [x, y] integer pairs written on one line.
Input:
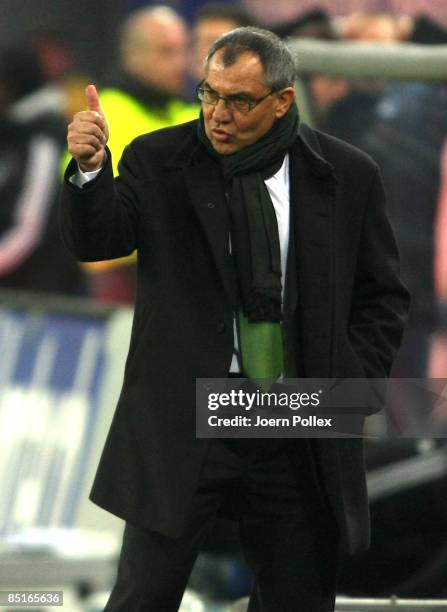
{"points": [[99, 221], [380, 300]]}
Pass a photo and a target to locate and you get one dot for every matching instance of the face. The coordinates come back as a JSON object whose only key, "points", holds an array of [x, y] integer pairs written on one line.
{"points": [[229, 130], [379, 28], [160, 57], [327, 90]]}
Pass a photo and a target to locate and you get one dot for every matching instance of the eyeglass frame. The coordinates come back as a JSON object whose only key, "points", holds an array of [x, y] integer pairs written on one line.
{"points": [[252, 105]]}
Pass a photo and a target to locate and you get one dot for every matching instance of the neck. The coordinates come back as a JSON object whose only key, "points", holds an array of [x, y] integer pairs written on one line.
{"points": [[146, 93]]}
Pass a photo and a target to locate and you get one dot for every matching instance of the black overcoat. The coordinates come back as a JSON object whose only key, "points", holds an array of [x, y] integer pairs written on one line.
{"points": [[344, 308]]}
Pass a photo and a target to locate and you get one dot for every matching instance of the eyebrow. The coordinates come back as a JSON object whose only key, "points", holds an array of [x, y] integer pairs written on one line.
{"points": [[238, 94]]}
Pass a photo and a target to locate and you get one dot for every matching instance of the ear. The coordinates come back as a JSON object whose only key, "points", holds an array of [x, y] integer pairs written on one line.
{"points": [[284, 100]]}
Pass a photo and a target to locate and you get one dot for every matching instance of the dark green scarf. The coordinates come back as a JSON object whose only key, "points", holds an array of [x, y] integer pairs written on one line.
{"points": [[254, 229]]}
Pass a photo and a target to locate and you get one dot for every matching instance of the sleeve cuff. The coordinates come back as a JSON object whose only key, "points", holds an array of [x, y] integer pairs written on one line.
{"points": [[81, 178]]}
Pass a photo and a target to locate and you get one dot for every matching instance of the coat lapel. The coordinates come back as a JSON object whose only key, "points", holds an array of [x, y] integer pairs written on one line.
{"points": [[206, 191]]}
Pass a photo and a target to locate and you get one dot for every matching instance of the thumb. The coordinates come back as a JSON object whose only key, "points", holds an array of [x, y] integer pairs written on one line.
{"points": [[91, 94]]}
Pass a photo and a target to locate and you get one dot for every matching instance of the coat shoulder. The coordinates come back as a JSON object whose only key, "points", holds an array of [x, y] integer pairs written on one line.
{"points": [[344, 156]]}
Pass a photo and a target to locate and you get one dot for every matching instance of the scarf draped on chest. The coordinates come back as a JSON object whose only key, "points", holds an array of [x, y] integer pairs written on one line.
{"points": [[254, 231]]}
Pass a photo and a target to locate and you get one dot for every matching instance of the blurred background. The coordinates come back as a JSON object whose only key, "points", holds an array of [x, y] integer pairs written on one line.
{"points": [[372, 72]]}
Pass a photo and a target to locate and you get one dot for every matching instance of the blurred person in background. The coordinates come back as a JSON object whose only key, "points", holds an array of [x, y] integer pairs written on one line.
{"points": [[55, 53], [377, 27], [405, 133], [213, 20], [56, 59], [146, 90], [315, 23], [421, 29], [323, 90], [406, 137], [144, 94], [351, 115], [32, 142], [65, 84]]}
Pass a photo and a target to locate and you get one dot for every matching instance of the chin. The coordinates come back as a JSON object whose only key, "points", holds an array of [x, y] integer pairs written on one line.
{"points": [[224, 148]]}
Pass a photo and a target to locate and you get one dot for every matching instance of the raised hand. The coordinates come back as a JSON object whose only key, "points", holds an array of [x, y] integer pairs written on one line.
{"points": [[88, 133]]}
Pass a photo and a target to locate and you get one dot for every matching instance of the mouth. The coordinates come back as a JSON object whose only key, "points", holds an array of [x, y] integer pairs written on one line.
{"points": [[220, 135]]}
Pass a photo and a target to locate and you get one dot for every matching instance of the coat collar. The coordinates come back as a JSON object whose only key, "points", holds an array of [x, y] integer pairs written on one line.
{"points": [[311, 148], [191, 151]]}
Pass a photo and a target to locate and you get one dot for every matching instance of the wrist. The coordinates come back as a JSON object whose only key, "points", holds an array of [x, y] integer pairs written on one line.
{"points": [[94, 163], [92, 168]]}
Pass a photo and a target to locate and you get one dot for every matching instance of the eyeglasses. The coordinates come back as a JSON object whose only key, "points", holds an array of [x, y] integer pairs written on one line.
{"points": [[235, 103]]}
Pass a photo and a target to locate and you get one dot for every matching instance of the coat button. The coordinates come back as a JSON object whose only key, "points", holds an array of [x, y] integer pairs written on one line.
{"points": [[210, 204], [221, 328]]}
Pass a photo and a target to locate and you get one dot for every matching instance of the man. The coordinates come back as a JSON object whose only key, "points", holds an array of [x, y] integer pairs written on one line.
{"points": [[190, 199], [32, 136], [145, 94]]}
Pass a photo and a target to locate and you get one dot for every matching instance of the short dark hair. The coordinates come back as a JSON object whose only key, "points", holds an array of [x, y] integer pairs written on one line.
{"points": [[273, 53]]}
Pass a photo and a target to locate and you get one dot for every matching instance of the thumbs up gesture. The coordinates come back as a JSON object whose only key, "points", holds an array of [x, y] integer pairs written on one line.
{"points": [[88, 133]]}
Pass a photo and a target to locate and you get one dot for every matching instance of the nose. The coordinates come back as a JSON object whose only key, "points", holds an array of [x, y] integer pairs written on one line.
{"points": [[221, 112]]}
